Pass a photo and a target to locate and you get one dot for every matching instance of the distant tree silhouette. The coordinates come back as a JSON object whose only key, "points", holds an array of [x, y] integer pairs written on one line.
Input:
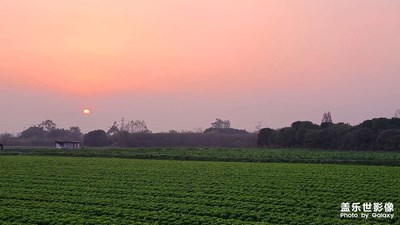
{"points": [[223, 127], [96, 138], [263, 135], [362, 138], [224, 131], [1, 146], [304, 124], [33, 132], [397, 114], [326, 120], [48, 125], [285, 137], [75, 131], [258, 127], [114, 129], [221, 123], [133, 126], [327, 138], [312, 139], [388, 139], [299, 136], [137, 126]]}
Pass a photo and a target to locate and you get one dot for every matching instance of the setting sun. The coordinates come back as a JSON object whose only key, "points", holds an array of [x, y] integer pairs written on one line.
{"points": [[86, 111]]}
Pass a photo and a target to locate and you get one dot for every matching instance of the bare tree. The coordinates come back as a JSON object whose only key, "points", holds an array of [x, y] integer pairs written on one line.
{"points": [[137, 126], [75, 131], [113, 129], [258, 127], [327, 118], [198, 130], [133, 126], [397, 114], [47, 125], [221, 123], [122, 124]]}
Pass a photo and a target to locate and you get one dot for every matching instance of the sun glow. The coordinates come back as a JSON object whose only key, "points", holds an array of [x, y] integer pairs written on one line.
{"points": [[86, 111]]}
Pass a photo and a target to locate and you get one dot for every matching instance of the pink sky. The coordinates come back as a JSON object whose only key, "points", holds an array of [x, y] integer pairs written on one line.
{"points": [[180, 64]]}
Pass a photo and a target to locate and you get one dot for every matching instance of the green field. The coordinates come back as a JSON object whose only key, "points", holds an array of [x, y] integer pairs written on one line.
{"points": [[76, 190], [223, 154]]}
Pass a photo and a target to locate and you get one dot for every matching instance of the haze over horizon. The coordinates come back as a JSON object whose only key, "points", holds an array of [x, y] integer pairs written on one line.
{"points": [[181, 64]]}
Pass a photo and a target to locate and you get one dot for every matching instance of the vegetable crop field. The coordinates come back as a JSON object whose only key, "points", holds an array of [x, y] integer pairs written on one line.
{"points": [[76, 190], [223, 154]]}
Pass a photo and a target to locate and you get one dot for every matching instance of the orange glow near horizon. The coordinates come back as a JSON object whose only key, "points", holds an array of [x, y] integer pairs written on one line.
{"points": [[180, 64], [93, 47]]}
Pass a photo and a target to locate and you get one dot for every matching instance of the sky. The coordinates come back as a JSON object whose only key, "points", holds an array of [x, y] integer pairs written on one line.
{"points": [[180, 64]]}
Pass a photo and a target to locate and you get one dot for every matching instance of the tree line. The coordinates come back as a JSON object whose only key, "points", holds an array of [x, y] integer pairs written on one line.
{"points": [[42, 134], [373, 134], [136, 134], [133, 133]]}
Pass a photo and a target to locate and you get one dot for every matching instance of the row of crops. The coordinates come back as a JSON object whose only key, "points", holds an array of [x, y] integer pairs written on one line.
{"points": [[223, 154], [63, 190]]}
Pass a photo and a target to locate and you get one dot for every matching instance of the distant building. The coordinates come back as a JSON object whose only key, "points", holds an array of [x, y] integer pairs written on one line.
{"points": [[68, 144]]}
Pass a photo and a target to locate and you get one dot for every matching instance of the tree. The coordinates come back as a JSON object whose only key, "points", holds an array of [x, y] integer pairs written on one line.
{"points": [[96, 138], [304, 124], [137, 126], [123, 138], [285, 137], [386, 140], [397, 114], [258, 127], [7, 138], [263, 135], [48, 125], [133, 126], [75, 131], [33, 132], [327, 138], [327, 118], [395, 142], [198, 130], [312, 139], [300, 135], [221, 124], [362, 138], [113, 129], [224, 131], [59, 133]]}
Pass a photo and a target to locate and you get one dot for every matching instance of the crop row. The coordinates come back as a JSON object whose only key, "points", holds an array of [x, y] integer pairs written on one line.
{"points": [[224, 154]]}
